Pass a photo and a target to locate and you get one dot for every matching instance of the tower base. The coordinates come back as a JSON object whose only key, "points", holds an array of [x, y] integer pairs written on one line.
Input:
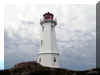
{"points": [[49, 59]]}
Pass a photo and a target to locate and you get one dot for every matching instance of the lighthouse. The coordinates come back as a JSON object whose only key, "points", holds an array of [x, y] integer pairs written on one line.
{"points": [[48, 55]]}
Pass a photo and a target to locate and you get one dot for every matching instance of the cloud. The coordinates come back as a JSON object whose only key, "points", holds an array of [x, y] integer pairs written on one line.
{"points": [[76, 25], [19, 50]]}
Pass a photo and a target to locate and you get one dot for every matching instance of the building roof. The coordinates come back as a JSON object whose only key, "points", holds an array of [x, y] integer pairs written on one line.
{"points": [[48, 14]]}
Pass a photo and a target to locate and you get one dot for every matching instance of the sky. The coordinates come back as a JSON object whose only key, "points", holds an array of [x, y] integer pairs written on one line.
{"points": [[76, 25]]}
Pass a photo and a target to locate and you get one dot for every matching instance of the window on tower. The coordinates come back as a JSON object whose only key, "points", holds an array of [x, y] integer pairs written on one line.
{"points": [[51, 27], [39, 59], [42, 28], [54, 59]]}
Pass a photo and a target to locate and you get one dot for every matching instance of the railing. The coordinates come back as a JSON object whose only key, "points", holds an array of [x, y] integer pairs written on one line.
{"points": [[42, 21]]}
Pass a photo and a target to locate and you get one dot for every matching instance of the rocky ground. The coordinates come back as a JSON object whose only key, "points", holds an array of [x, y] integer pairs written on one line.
{"points": [[33, 68]]}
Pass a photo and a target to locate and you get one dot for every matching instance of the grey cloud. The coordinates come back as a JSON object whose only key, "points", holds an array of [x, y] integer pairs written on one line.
{"points": [[19, 50], [26, 50], [27, 22], [77, 47]]}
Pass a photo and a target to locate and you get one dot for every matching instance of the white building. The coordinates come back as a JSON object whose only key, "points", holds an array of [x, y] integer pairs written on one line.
{"points": [[49, 56]]}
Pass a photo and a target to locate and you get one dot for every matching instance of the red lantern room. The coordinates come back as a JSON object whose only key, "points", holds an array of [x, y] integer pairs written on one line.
{"points": [[48, 16]]}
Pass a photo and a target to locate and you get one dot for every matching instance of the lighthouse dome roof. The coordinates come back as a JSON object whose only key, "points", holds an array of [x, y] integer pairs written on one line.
{"points": [[48, 14]]}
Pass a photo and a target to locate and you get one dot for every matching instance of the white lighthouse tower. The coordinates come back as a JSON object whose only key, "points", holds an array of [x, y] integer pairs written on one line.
{"points": [[49, 56]]}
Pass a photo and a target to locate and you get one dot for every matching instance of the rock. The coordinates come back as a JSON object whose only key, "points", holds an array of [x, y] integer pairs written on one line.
{"points": [[33, 68]]}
